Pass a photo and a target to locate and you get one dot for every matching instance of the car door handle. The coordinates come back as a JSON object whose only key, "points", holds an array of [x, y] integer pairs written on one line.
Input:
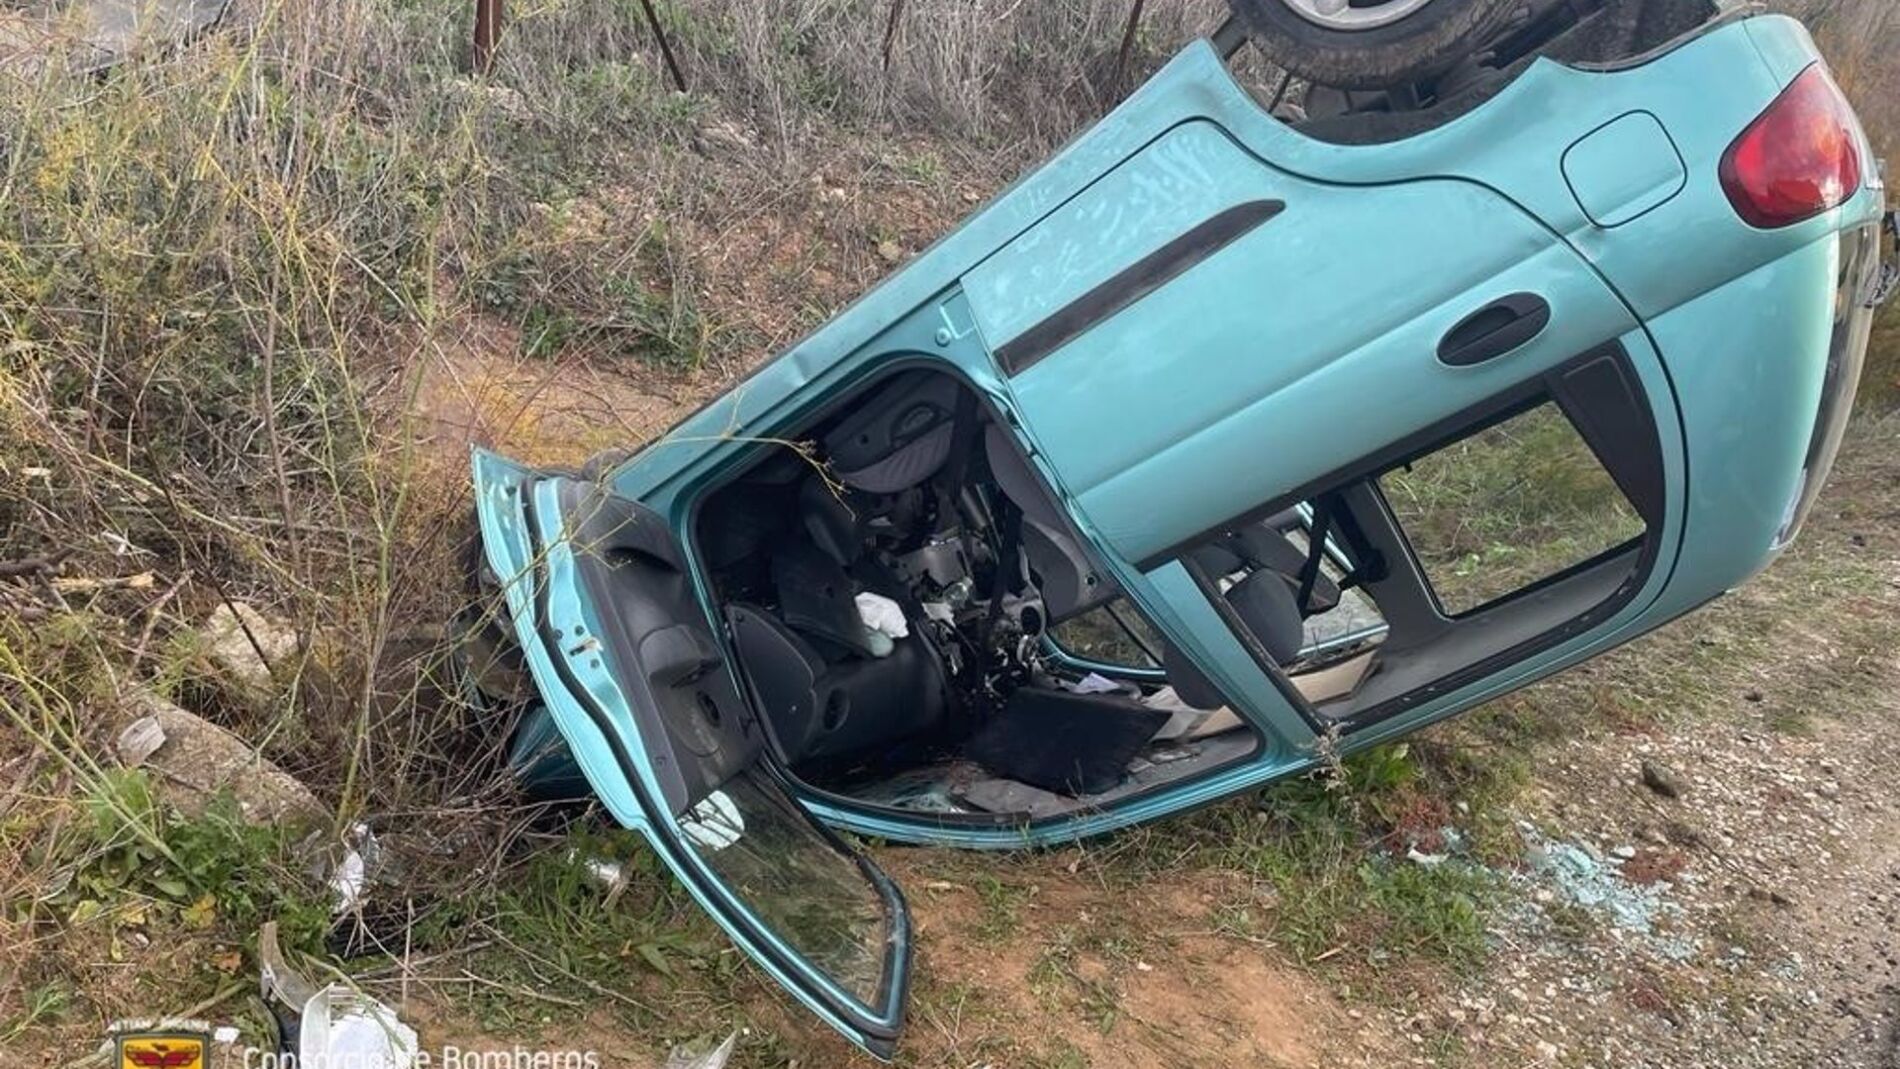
{"points": [[1501, 327]]}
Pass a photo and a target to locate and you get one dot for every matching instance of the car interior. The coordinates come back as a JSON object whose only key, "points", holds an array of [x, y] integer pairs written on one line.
{"points": [[893, 590], [921, 627]]}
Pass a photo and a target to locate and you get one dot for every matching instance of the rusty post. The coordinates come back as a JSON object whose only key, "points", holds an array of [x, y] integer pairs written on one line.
{"points": [[666, 50], [487, 33], [1128, 43], [890, 30]]}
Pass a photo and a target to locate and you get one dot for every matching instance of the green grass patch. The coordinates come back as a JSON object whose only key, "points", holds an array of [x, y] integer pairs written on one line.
{"points": [[1327, 861], [1002, 904]]}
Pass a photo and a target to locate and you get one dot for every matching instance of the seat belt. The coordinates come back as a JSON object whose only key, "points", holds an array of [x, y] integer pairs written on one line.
{"points": [[1315, 553], [963, 438], [1006, 571]]}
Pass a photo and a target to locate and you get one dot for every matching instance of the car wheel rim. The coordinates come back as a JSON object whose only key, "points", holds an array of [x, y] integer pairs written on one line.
{"points": [[1354, 15]]}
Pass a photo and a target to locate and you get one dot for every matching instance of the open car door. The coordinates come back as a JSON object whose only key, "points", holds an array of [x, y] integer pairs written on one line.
{"points": [[610, 625]]}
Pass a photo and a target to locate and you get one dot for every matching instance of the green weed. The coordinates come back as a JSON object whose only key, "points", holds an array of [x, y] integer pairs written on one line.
{"points": [[1001, 907]]}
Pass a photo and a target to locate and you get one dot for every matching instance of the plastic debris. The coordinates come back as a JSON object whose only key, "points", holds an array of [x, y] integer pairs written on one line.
{"points": [[333, 1025], [611, 875], [139, 740], [682, 1058], [1094, 683], [714, 822], [608, 874], [349, 883], [282, 986], [339, 1026]]}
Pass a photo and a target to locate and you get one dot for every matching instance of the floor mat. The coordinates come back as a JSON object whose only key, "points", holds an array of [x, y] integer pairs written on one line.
{"points": [[1070, 743]]}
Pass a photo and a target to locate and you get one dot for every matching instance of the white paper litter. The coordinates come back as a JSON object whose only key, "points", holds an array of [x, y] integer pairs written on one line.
{"points": [[1094, 683]]}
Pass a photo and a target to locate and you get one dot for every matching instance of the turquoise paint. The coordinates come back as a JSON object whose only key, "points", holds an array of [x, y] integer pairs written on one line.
{"points": [[1458, 190], [1452, 204], [1186, 175], [1744, 357], [1296, 362], [1248, 389], [1624, 169]]}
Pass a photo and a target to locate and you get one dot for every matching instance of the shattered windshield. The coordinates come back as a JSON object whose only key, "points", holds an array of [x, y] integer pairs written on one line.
{"points": [[807, 892]]}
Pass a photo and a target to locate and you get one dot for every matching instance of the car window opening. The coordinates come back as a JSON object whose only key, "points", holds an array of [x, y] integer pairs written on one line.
{"points": [[1431, 567]]}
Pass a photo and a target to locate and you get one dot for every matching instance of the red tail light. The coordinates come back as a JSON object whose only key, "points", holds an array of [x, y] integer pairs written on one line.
{"points": [[1798, 159]]}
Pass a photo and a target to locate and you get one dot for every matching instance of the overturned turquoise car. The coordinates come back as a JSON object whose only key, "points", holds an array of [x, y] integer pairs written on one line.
{"points": [[1230, 438]]}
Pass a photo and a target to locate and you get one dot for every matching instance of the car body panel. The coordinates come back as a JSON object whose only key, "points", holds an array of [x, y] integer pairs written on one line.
{"points": [[1726, 330], [921, 313], [1748, 410], [1315, 365], [1625, 169]]}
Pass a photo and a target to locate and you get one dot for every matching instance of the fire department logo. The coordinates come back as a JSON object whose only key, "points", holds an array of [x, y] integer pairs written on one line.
{"points": [[161, 1050]]}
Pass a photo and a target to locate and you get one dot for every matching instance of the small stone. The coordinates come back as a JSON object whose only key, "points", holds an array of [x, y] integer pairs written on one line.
{"points": [[1662, 779], [1770, 895], [244, 643], [725, 134], [195, 760]]}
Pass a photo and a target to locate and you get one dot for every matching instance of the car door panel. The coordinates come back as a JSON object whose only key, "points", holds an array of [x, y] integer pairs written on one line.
{"points": [[1186, 176], [1310, 337], [621, 652]]}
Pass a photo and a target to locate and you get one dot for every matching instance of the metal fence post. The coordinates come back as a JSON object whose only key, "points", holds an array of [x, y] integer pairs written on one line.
{"points": [[487, 33]]}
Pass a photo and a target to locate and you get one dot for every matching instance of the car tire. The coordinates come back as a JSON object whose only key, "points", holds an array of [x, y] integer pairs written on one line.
{"points": [[1418, 39], [1627, 28]]}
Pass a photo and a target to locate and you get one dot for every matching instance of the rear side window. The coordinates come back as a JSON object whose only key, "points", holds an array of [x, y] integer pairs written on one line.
{"points": [[1506, 508]]}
